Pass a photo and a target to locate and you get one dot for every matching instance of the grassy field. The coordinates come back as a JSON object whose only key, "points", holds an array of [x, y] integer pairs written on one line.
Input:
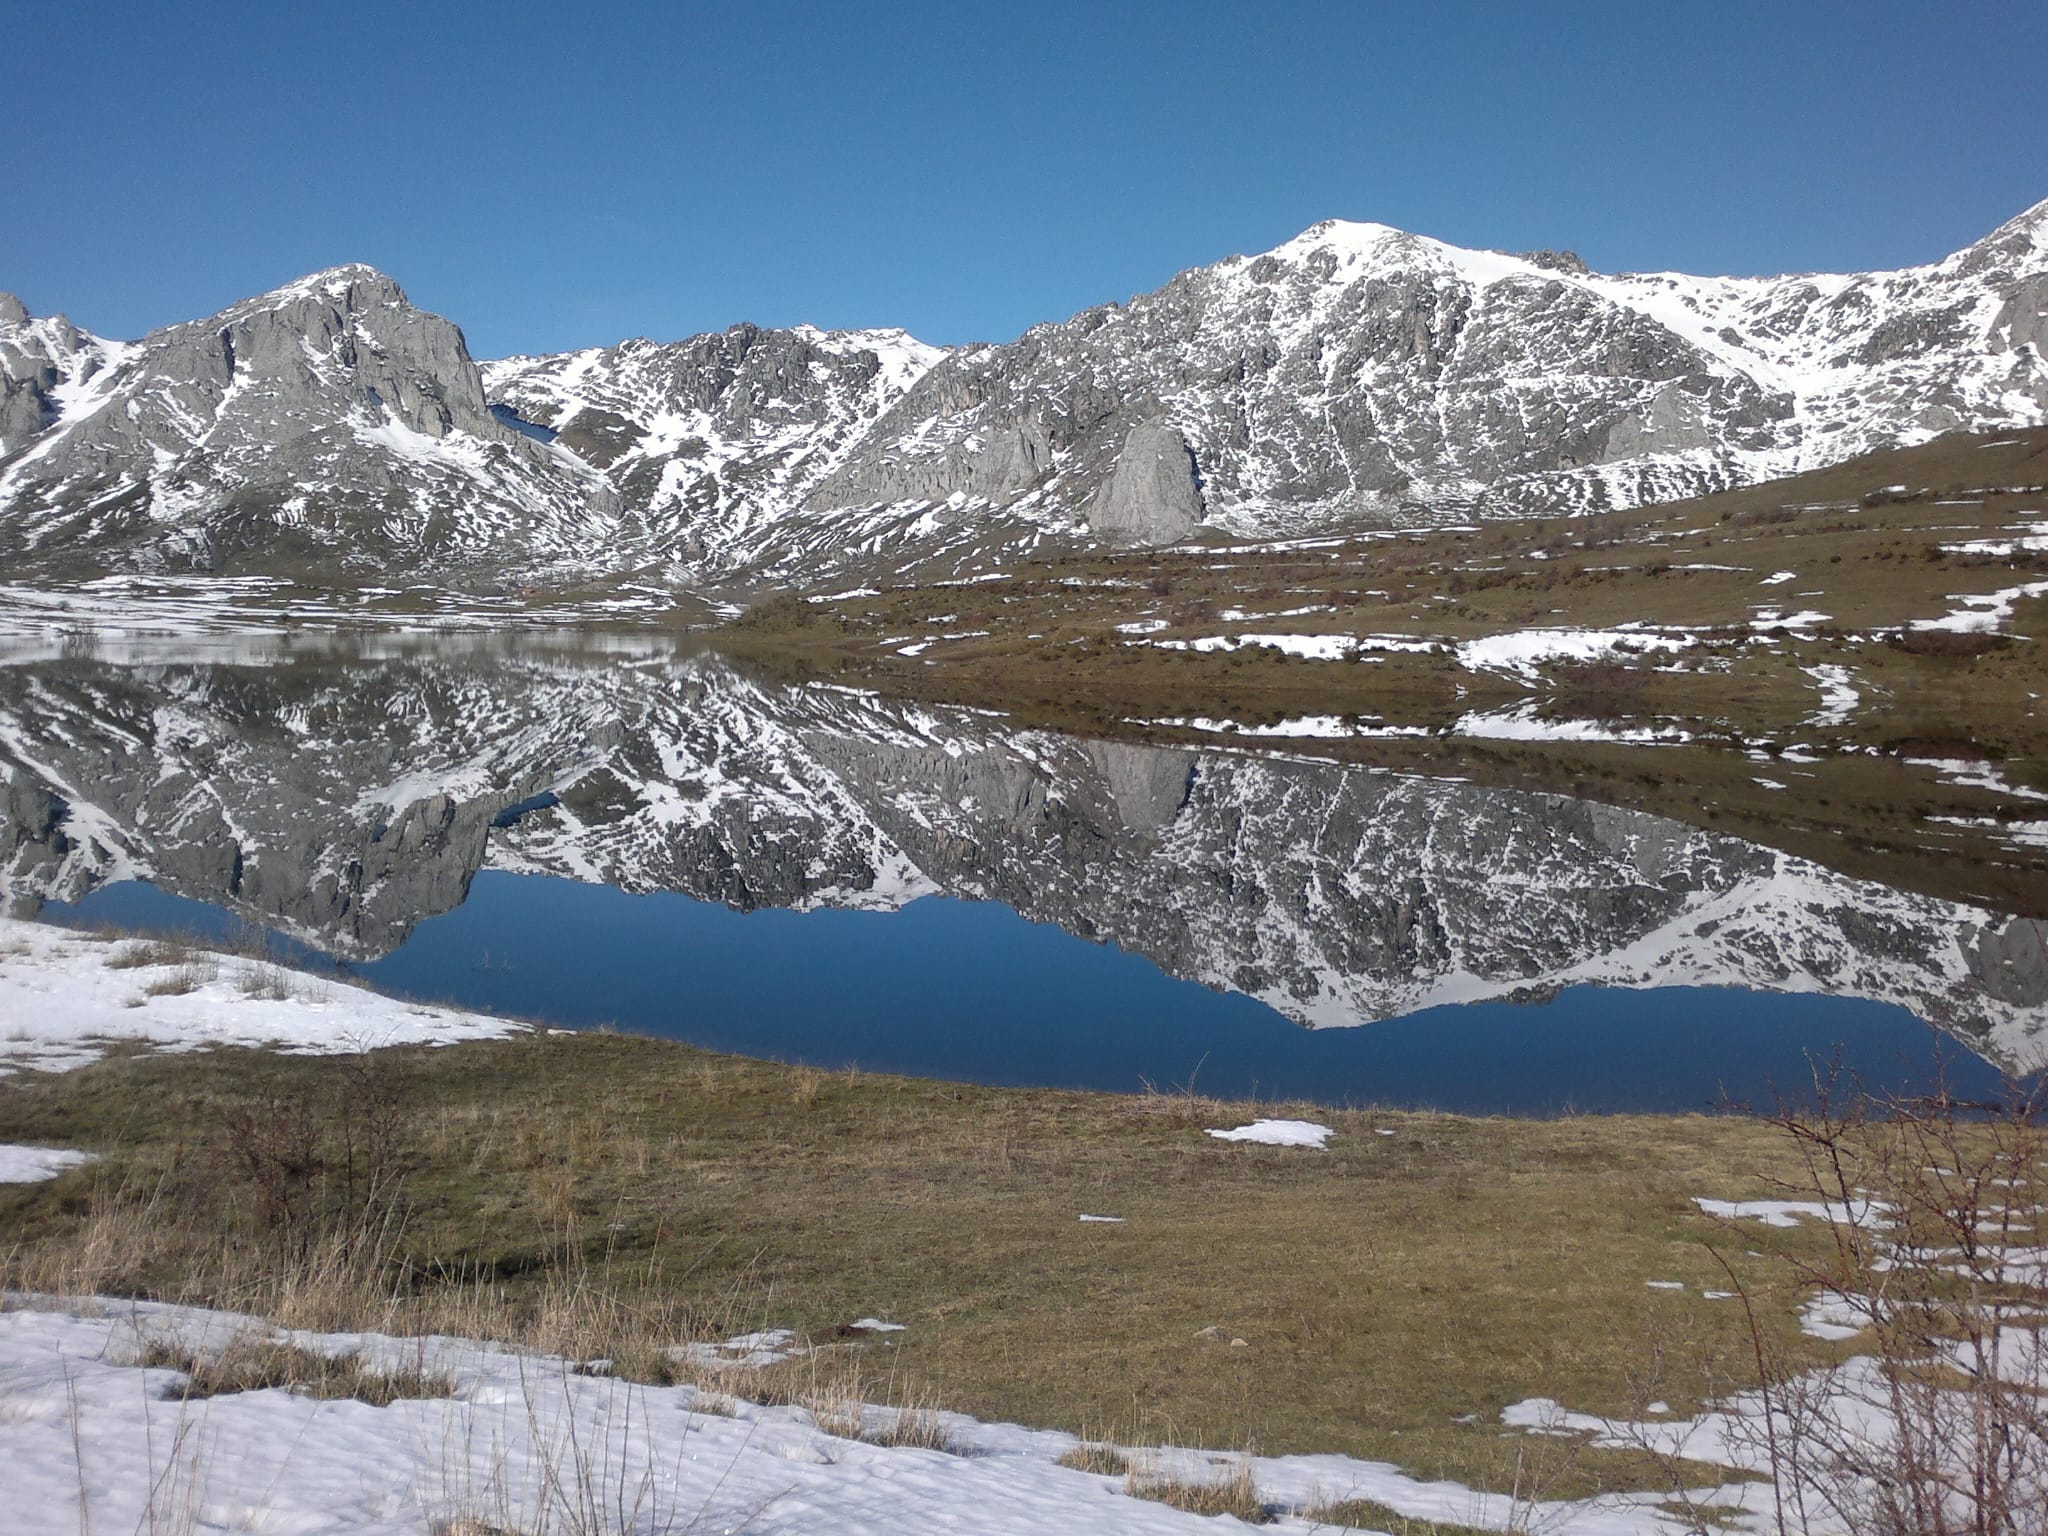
{"points": [[617, 1197], [1742, 700]]}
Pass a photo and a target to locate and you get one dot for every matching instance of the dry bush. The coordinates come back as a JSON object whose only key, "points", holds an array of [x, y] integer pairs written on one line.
{"points": [[1936, 1251], [1595, 690], [1946, 642], [271, 983]]}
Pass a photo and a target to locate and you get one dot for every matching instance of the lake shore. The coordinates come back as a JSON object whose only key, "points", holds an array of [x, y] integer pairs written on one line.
{"points": [[1092, 1263]]}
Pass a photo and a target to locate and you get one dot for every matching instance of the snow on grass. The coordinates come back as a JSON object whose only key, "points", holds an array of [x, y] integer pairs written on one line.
{"points": [[2033, 538], [63, 1001], [31, 1165], [1325, 727], [1310, 647], [1837, 698], [1519, 652], [1971, 773], [1982, 613], [1518, 722], [1522, 651], [1279, 1133], [529, 1443], [1786, 1213], [1834, 1317], [1772, 618]]}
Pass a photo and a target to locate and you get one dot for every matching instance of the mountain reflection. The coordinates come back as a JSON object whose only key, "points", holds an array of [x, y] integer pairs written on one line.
{"points": [[344, 797]]}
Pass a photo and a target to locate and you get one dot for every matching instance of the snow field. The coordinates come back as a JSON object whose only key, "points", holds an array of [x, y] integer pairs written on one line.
{"points": [[64, 1000], [534, 1443]]}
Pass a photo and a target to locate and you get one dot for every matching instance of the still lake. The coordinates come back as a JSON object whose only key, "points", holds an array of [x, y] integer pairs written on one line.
{"points": [[658, 842]]}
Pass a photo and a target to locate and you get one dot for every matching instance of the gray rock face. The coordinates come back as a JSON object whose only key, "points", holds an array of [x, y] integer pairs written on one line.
{"points": [[709, 438], [348, 799], [329, 424], [38, 359], [1152, 497]]}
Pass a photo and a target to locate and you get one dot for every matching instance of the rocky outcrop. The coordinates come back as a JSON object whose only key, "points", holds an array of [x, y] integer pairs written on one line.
{"points": [[1153, 496], [38, 358]]}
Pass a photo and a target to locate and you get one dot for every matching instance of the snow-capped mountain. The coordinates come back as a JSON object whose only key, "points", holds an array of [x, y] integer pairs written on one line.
{"points": [[1354, 376], [1358, 373], [328, 426], [347, 799]]}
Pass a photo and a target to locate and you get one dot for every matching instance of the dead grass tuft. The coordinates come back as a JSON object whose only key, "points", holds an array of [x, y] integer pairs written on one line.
{"points": [[1235, 1493], [254, 1363], [1099, 1457], [1365, 1514], [151, 952], [271, 983]]}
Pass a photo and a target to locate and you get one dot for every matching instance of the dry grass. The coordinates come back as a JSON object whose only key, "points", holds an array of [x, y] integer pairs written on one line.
{"points": [[1233, 1493], [271, 983], [254, 1363], [152, 952], [633, 1201], [1364, 1514], [1099, 1457], [186, 978]]}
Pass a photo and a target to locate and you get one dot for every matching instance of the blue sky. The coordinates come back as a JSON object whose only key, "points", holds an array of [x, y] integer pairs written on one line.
{"points": [[553, 176]]}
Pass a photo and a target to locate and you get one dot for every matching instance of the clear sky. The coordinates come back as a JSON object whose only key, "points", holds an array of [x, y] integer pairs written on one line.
{"points": [[560, 175]]}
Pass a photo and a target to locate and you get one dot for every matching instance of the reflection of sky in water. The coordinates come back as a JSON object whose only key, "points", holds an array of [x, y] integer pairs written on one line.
{"points": [[970, 990]]}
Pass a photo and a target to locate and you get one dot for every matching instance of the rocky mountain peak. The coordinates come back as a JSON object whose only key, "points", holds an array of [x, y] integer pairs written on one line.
{"points": [[12, 311], [1556, 261], [327, 420]]}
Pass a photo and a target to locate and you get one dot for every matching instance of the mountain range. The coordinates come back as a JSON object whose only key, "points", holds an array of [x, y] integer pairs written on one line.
{"points": [[1354, 377]]}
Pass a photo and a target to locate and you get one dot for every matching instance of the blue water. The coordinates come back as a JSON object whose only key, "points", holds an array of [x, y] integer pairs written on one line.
{"points": [[973, 992]]}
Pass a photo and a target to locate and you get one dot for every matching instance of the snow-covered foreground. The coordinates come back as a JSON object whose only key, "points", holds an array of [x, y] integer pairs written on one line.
{"points": [[64, 998], [530, 1444]]}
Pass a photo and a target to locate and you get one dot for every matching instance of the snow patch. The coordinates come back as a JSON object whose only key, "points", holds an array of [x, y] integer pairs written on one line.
{"points": [[1279, 1133]]}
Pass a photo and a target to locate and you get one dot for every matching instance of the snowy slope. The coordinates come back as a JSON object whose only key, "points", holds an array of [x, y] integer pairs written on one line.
{"points": [[714, 439], [1353, 375], [533, 1443]]}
